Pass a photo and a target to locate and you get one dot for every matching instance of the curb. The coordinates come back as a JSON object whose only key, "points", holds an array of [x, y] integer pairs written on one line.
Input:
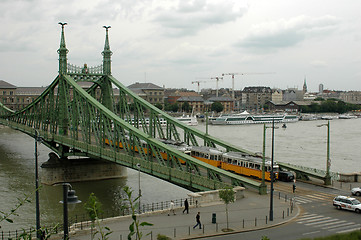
{"points": [[247, 230]]}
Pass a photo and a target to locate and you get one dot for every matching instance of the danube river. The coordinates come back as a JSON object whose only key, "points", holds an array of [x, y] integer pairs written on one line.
{"points": [[301, 143]]}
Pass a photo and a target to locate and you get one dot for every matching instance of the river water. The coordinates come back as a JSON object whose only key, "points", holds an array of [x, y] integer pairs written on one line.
{"points": [[301, 143]]}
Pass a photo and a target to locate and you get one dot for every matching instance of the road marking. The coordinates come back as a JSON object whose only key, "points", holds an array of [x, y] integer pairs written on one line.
{"points": [[310, 233], [317, 220], [316, 197], [350, 230], [302, 219], [339, 226], [328, 221], [337, 222]]}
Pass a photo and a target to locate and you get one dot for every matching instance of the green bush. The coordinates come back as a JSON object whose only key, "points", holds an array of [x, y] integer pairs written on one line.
{"points": [[162, 237]]}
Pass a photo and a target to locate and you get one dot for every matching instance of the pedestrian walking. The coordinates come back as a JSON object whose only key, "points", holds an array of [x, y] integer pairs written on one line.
{"points": [[171, 208], [198, 221], [294, 187], [186, 206]]}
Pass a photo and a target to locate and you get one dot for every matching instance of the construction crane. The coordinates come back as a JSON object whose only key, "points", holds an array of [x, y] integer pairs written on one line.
{"points": [[198, 82], [217, 79], [232, 74]]}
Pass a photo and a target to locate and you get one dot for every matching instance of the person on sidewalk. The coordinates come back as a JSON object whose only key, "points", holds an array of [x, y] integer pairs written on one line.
{"points": [[171, 207], [186, 206], [198, 220], [294, 187]]}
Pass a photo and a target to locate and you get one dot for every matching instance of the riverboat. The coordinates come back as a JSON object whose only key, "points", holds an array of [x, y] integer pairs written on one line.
{"points": [[189, 120], [239, 119]]}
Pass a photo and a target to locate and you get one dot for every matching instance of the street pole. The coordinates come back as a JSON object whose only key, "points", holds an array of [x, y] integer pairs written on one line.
{"points": [[65, 211], [328, 177], [328, 160], [139, 193], [264, 155], [37, 205], [272, 176]]}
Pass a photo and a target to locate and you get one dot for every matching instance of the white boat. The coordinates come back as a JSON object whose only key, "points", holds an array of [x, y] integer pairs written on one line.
{"points": [[189, 120], [346, 116], [253, 119], [308, 117], [329, 117]]}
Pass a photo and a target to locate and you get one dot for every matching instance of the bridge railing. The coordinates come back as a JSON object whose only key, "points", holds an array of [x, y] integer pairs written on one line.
{"points": [[334, 175]]}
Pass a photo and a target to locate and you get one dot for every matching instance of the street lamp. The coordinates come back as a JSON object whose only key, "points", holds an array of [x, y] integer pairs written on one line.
{"points": [[37, 205], [263, 164], [69, 197], [140, 192], [328, 160], [272, 175]]}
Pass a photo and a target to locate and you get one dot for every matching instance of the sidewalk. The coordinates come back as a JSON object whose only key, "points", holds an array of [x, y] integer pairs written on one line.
{"points": [[246, 214]]}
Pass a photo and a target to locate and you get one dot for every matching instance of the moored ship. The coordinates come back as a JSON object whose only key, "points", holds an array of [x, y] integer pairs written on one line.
{"points": [[239, 119]]}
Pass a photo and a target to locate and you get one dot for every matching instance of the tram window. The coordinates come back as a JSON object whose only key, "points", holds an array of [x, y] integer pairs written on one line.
{"points": [[258, 166], [212, 157], [229, 160], [251, 165], [206, 156], [234, 162]]}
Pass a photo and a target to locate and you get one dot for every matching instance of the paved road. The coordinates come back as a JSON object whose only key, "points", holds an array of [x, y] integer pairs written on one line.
{"points": [[312, 216], [317, 216]]}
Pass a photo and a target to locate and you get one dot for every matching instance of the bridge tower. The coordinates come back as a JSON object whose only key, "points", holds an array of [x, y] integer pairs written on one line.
{"points": [[63, 65], [105, 85]]}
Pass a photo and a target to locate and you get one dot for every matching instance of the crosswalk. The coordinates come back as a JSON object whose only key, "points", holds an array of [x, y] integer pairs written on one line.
{"points": [[308, 198], [324, 223]]}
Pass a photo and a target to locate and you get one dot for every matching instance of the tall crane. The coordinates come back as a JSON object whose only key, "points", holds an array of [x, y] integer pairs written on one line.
{"points": [[217, 79], [198, 82], [232, 74]]}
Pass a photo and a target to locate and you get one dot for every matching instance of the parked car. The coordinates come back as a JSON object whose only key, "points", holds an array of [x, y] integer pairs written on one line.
{"points": [[285, 176], [348, 203], [356, 191]]}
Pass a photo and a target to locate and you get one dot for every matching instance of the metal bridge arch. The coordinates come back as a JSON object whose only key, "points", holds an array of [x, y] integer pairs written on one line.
{"points": [[75, 122]]}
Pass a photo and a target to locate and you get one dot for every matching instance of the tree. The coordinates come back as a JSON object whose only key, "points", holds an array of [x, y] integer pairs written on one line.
{"points": [[134, 227], [227, 196], [186, 107], [93, 207], [217, 106], [158, 105]]}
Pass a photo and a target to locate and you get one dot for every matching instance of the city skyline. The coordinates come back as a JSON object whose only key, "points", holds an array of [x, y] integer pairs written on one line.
{"points": [[173, 44]]}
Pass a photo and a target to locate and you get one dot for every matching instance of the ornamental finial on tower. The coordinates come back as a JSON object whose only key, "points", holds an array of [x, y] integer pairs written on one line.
{"points": [[62, 51], [106, 53]]}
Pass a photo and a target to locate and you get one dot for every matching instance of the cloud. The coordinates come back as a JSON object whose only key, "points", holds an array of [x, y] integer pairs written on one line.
{"points": [[190, 17], [318, 64], [190, 54], [283, 33]]}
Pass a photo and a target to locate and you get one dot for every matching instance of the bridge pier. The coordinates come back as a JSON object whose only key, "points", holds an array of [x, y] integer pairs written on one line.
{"points": [[57, 170]]}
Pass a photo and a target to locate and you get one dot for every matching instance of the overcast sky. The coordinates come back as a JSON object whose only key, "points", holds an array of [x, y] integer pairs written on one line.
{"points": [[173, 43]]}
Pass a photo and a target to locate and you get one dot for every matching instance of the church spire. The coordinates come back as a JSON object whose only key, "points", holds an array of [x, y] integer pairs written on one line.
{"points": [[62, 51], [107, 54], [304, 86]]}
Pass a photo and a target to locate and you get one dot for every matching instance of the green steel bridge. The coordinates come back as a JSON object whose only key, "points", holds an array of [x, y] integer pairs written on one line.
{"points": [[91, 123]]}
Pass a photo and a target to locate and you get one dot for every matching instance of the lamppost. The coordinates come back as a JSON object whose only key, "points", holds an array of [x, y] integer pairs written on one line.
{"points": [[69, 197], [37, 205], [140, 192], [264, 155], [272, 175], [328, 160], [263, 164]]}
